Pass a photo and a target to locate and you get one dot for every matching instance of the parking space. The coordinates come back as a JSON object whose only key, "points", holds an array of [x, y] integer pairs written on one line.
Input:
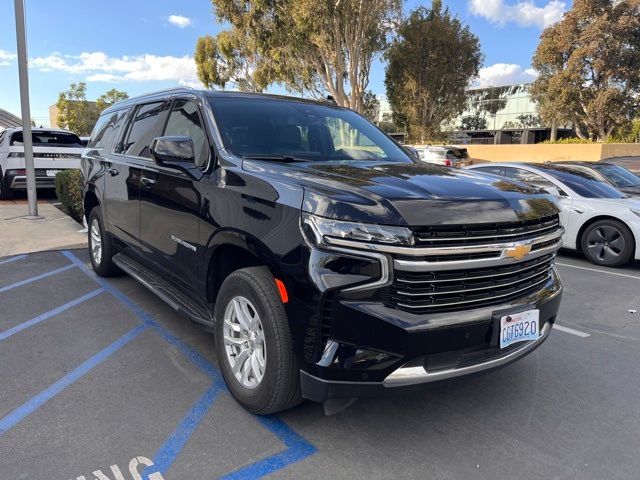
{"points": [[99, 377]]}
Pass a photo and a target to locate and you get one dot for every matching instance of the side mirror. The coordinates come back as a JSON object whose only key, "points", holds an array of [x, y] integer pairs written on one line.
{"points": [[176, 152]]}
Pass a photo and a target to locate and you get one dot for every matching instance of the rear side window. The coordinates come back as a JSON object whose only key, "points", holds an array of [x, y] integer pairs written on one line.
{"points": [[145, 126], [186, 121], [48, 139], [106, 130]]}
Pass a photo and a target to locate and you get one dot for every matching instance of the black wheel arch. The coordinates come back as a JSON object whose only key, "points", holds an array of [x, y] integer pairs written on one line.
{"points": [[231, 250]]}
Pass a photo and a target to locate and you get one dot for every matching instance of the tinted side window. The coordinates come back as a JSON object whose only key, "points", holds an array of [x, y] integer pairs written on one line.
{"points": [[185, 120], [105, 131], [145, 126], [2, 134]]}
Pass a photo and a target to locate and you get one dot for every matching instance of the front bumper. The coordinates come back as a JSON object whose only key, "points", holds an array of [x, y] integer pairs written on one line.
{"points": [[425, 348]]}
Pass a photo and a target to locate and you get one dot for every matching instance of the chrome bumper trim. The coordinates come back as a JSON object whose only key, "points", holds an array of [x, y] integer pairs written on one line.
{"points": [[416, 375]]}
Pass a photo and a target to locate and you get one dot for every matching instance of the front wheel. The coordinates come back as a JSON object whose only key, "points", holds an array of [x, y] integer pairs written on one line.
{"points": [[254, 344], [608, 243]]}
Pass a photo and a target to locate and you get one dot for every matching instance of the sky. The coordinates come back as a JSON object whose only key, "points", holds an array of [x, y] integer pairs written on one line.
{"points": [[141, 46]]}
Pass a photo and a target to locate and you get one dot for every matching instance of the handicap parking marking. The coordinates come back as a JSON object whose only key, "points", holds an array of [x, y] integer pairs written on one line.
{"points": [[297, 448], [12, 259], [47, 315], [48, 393], [598, 270], [577, 333], [36, 278]]}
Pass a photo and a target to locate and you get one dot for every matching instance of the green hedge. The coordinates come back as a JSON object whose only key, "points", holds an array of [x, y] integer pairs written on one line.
{"points": [[69, 192]]}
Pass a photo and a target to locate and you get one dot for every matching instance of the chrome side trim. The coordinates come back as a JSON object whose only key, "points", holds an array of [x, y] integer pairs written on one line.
{"points": [[461, 302], [427, 266], [458, 250], [416, 375]]}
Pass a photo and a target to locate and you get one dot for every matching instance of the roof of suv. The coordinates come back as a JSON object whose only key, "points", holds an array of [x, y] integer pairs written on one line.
{"points": [[35, 130], [211, 93]]}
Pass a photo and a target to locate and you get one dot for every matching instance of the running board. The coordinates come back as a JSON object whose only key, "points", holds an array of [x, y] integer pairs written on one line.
{"points": [[169, 294]]}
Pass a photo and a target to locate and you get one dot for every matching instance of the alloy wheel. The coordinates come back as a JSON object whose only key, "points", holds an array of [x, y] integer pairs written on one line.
{"points": [[244, 342], [96, 242], [606, 243]]}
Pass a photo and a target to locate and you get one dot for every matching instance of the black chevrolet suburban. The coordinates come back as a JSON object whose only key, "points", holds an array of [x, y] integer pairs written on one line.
{"points": [[327, 262]]}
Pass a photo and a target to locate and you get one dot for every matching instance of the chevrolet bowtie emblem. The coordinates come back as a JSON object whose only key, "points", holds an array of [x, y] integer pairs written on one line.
{"points": [[517, 252]]}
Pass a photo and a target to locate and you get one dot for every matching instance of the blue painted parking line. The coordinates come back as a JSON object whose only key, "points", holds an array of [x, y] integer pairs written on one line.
{"points": [[12, 259], [173, 446], [40, 399], [297, 448], [47, 315], [35, 278]]}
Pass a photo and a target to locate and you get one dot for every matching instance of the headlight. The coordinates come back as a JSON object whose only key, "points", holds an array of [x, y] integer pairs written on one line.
{"points": [[319, 229], [637, 212]]}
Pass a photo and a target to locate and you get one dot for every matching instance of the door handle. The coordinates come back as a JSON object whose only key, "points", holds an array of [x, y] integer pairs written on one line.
{"points": [[113, 172], [147, 182]]}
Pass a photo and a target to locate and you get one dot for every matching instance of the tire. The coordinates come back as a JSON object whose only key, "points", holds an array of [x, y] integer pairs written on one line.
{"points": [[608, 243], [102, 263], [279, 387], [5, 192]]}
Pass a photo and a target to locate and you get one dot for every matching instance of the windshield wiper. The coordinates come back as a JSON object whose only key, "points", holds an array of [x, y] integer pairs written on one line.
{"points": [[275, 158]]}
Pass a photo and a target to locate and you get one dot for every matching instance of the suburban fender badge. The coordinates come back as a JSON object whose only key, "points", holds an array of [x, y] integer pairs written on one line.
{"points": [[517, 252], [183, 243]]}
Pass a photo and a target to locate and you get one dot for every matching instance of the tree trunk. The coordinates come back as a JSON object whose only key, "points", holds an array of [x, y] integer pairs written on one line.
{"points": [[554, 130]]}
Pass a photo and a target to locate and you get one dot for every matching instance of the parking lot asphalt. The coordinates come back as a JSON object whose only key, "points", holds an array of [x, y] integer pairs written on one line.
{"points": [[100, 378]]}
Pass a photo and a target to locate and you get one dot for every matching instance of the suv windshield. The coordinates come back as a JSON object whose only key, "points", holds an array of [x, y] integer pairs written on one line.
{"points": [[620, 177], [583, 183], [276, 129], [48, 139]]}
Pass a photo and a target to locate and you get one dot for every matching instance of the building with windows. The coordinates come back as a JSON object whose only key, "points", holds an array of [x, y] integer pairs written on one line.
{"points": [[8, 120], [502, 115]]}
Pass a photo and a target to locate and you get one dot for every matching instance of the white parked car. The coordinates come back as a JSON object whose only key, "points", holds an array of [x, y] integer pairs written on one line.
{"points": [[599, 220], [446, 155], [53, 150]]}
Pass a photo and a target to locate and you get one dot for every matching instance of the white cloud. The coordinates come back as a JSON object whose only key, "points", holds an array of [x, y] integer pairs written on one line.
{"points": [[179, 21], [501, 74], [525, 12], [6, 57], [99, 67]]}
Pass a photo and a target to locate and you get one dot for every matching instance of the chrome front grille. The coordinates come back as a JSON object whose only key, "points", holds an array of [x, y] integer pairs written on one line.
{"points": [[422, 292], [479, 234]]}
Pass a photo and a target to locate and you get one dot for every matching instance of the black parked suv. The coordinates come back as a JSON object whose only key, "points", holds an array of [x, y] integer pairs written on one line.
{"points": [[328, 263]]}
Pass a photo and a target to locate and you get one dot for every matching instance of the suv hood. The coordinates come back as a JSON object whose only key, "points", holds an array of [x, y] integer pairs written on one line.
{"points": [[407, 193]]}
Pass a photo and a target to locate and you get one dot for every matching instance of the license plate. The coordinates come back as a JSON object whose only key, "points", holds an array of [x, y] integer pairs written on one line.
{"points": [[52, 173], [519, 327]]}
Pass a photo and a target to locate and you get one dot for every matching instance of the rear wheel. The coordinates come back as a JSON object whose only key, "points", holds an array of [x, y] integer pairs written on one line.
{"points": [[101, 249], [608, 243], [254, 344]]}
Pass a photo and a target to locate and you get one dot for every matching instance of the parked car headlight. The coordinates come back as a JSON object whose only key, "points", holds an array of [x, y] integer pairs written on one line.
{"points": [[318, 229]]}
